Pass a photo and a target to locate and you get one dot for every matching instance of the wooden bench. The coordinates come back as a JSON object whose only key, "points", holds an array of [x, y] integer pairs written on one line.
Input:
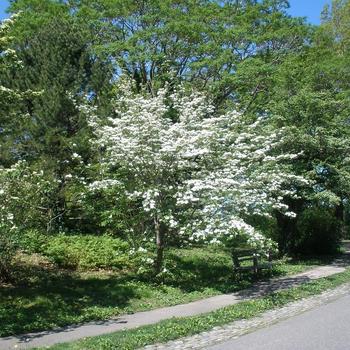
{"points": [[241, 255]]}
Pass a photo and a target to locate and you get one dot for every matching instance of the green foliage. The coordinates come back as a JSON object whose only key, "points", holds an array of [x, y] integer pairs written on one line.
{"points": [[231, 48], [318, 232], [10, 179], [111, 212], [79, 251], [26, 196], [8, 249], [47, 129], [310, 96]]}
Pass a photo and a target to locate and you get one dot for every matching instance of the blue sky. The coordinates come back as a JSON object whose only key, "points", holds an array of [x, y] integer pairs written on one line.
{"points": [[305, 8], [308, 8], [3, 6]]}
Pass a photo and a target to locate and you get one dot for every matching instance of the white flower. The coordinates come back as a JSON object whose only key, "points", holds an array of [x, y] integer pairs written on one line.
{"points": [[75, 156]]}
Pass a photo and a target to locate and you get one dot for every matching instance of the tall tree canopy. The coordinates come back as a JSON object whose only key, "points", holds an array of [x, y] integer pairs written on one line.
{"points": [[230, 48], [311, 95]]}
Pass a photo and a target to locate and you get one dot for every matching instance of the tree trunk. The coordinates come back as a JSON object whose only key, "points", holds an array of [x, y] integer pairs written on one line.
{"points": [[5, 275], [288, 226], [160, 236], [340, 215]]}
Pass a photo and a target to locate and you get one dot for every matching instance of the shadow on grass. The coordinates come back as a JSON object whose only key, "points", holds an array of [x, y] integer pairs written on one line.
{"points": [[46, 298], [197, 272], [55, 298]]}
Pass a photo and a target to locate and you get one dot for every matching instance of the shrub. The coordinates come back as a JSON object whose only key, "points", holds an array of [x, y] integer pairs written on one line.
{"points": [[79, 251], [7, 252], [32, 241], [318, 232]]}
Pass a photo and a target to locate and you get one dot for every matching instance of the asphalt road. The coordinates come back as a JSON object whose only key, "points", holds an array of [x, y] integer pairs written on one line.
{"points": [[324, 328]]}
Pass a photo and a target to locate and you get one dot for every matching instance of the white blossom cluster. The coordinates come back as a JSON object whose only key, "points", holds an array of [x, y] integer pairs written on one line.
{"points": [[9, 59], [24, 194], [6, 210], [185, 162]]}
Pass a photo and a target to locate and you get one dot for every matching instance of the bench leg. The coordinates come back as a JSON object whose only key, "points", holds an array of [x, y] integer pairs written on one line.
{"points": [[237, 274]]}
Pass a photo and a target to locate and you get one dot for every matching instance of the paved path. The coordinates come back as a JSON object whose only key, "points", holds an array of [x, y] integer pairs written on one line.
{"points": [[75, 332], [325, 327], [276, 329]]}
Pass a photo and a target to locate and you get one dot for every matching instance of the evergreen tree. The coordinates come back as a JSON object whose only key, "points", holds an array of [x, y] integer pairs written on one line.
{"points": [[54, 136]]}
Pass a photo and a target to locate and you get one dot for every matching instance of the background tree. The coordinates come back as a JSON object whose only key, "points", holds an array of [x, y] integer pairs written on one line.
{"points": [[56, 60], [230, 48], [311, 96]]}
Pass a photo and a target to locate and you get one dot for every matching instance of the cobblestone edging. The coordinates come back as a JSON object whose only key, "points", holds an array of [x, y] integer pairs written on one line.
{"points": [[238, 328]]}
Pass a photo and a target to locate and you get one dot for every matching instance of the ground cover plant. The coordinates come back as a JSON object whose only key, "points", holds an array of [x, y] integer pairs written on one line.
{"points": [[79, 251]]}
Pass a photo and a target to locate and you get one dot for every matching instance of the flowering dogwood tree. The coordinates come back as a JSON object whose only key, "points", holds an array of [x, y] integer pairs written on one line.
{"points": [[195, 172]]}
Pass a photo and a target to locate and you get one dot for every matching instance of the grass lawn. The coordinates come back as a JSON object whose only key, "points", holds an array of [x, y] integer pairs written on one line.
{"points": [[52, 297], [179, 327]]}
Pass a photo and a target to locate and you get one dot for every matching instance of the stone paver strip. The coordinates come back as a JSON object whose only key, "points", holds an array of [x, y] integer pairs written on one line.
{"points": [[238, 328], [75, 332]]}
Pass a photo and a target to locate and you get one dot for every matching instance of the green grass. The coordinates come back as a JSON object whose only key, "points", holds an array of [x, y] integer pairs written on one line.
{"points": [[51, 297], [179, 327]]}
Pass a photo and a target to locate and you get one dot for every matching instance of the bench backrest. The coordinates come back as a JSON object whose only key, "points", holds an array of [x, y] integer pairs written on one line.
{"points": [[239, 255]]}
